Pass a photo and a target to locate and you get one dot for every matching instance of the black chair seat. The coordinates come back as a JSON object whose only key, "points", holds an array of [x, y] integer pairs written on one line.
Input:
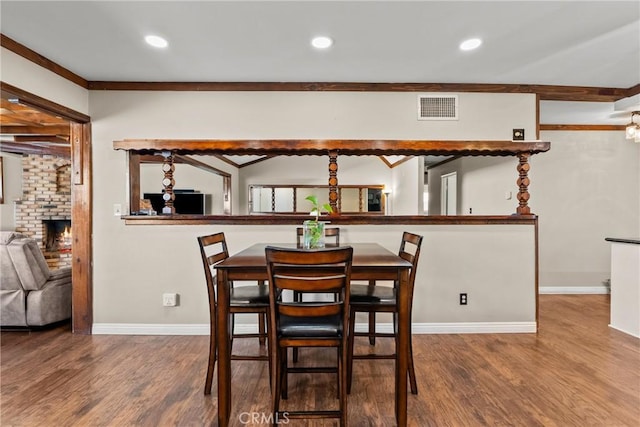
{"points": [[249, 295], [365, 294], [310, 327]]}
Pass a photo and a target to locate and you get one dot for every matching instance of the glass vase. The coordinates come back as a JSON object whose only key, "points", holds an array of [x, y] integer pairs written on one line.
{"points": [[313, 234]]}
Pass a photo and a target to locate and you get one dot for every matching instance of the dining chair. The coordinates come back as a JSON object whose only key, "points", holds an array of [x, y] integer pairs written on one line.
{"points": [[373, 298], [243, 299], [334, 234], [309, 323]]}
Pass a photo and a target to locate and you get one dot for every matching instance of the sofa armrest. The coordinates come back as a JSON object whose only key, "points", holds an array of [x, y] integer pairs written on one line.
{"points": [[61, 273]]}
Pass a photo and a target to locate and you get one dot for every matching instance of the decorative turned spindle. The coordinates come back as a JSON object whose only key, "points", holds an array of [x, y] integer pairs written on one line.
{"points": [[523, 184], [333, 180], [168, 182]]}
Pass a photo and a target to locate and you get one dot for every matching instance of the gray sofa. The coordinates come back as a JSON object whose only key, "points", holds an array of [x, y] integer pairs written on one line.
{"points": [[30, 293]]}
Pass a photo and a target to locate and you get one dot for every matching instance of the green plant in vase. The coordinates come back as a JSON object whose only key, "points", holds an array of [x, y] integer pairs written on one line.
{"points": [[313, 234]]}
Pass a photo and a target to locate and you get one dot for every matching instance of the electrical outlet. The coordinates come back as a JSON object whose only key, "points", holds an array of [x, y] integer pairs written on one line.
{"points": [[518, 134], [169, 300], [463, 299]]}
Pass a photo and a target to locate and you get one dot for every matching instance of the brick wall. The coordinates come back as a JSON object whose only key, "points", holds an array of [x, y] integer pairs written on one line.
{"points": [[46, 194]]}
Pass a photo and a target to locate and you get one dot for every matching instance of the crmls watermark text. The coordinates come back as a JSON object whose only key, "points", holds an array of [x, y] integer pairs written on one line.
{"points": [[263, 418]]}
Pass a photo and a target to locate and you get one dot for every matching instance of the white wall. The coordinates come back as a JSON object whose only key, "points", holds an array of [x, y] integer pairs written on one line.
{"points": [[24, 74], [493, 264], [586, 188], [133, 266], [12, 178]]}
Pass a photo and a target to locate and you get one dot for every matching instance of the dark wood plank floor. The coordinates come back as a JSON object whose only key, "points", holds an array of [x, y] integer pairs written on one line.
{"points": [[575, 372]]}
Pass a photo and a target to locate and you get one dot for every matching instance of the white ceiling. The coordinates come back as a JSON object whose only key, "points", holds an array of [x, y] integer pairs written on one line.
{"points": [[574, 43]]}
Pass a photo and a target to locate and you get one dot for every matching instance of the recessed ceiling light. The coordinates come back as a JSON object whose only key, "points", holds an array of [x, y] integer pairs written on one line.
{"points": [[156, 41], [321, 42], [470, 44]]}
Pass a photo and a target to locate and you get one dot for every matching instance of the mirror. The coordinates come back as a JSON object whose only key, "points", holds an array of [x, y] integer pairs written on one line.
{"points": [[291, 199]]}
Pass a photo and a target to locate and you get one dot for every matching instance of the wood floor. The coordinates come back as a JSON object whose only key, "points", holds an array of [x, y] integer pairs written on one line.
{"points": [[575, 372]]}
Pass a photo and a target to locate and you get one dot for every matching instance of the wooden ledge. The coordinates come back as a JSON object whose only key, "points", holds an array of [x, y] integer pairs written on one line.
{"points": [[290, 147], [335, 220]]}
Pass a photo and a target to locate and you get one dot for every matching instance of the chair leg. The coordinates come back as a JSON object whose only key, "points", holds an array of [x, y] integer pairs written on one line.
{"points": [[212, 354], [285, 374], [350, 344], [270, 355], [372, 319], [261, 321], [410, 367], [372, 328], [261, 328], [297, 297], [342, 385], [277, 384]]}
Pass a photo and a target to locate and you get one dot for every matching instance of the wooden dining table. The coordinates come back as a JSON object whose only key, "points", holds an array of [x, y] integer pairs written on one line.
{"points": [[371, 261]]}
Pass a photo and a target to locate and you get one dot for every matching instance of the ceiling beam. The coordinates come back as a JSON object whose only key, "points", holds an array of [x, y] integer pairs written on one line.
{"points": [[27, 148], [583, 127], [201, 165], [41, 138], [35, 130], [8, 91], [36, 58], [546, 92]]}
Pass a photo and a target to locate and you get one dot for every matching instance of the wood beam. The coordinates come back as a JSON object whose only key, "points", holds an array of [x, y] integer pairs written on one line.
{"points": [[28, 148], [46, 63], [200, 165], [583, 127], [35, 130], [546, 92], [41, 138], [8, 91]]}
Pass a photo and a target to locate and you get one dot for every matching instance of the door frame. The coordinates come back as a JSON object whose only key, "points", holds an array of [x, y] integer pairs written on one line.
{"points": [[81, 203]]}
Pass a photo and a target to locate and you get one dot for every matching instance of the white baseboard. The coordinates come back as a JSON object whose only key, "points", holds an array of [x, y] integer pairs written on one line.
{"points": [[568, 290], [417, 328], [150, 329]]}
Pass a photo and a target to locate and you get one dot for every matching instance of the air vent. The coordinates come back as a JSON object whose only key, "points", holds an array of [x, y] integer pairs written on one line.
{"points": [[437, 107]]}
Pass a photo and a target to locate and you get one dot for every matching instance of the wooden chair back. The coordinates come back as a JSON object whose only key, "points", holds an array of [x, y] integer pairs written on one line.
{"points": [[318, 271], [213, 249], [410, 251]]}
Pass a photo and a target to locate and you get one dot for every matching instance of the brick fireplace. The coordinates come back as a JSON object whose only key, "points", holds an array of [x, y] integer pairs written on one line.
{"points": [[44, 210]]}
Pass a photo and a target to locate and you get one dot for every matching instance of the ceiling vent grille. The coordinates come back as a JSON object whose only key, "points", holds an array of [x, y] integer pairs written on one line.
{"points": [[437, 107]]}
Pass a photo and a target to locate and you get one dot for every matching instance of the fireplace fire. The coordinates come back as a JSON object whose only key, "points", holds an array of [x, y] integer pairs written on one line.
{"points": [[57, 236]]}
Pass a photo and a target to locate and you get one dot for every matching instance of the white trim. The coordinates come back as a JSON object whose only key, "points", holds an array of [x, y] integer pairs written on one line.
{"points": [[417, 328], [623, 331], [568, 290], [149, 329], [459, 328]]}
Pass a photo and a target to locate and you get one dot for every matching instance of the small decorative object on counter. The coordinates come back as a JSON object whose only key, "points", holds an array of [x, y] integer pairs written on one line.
{"points": [[313, 230]]}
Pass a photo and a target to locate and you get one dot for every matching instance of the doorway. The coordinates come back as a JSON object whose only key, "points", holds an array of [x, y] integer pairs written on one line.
{"points": [[78, 146], [449, 194]]}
